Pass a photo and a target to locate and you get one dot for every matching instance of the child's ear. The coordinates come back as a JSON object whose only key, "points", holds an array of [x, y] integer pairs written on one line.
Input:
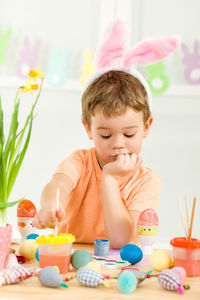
{"points": [[147, 126], [87, 129]]}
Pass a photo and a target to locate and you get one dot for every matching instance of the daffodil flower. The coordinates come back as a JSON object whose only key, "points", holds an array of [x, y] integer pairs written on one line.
{"points": [[35, 73], [29, 87]]}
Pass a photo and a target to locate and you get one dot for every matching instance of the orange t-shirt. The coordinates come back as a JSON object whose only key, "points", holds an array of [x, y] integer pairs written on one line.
{"points": [[84, 215]]}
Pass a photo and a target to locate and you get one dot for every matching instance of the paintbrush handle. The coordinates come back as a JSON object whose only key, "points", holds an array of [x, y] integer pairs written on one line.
{"points": [[192, 218]]}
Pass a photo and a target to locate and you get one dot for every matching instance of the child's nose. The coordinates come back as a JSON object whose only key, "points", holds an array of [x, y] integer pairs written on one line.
{"points": [[118, 142]]}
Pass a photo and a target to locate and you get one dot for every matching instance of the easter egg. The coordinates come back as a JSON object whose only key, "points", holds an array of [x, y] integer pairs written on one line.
{"points": [[160, 259], [26, 209], [80, 258], [89, 277], [127, 282], [27, 249], [31, 236], [131, 253], [95, 266], [37, 254], [11, 261], [148, 218], [181, 272], [170, 280], [49, 276]]}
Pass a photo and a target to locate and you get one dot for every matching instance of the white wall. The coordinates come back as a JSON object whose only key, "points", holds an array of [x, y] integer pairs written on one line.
{"points": [[173, 146]]}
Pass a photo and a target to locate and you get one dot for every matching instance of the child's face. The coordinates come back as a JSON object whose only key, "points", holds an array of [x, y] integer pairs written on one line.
{"points": [[118, 134]]}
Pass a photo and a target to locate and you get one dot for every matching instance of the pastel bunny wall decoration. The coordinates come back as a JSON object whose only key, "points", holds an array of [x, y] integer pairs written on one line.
{"points": [[88, 67], [157, 80], [57, 70], [27, 58], [192, 63], [3, 42]]}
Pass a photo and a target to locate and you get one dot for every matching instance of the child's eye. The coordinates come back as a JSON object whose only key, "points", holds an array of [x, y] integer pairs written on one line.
{"points": [[129, 135], [105, 136]]}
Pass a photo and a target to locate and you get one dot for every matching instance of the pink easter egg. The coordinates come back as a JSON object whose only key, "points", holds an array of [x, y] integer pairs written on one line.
{"points": [[148, 218], [181, 272]]}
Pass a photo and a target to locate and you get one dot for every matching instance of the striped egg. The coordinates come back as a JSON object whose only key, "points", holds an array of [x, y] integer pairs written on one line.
{"points": [[170, 280], [87, 276]]}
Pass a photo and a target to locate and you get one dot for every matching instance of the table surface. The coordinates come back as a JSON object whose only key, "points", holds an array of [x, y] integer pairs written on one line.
{"points": [[150, 289]]}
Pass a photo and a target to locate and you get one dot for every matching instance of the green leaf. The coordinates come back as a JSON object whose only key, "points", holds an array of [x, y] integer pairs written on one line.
{"points": [[1, 125], [18, 161], [8, 204], [10, 144], [3, 177]]}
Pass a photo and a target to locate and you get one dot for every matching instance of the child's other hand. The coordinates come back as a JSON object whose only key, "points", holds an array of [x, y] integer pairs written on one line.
{"points": [[123, 164], [47, 217]]}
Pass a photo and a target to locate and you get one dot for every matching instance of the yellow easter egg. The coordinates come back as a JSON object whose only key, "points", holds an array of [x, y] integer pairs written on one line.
{"points": [[160, 259], [95, 266], [27, 249]]}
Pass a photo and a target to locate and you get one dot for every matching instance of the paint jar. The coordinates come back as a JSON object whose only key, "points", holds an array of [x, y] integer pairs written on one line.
{"points": [[186, 254], [55, 250], [101, 247]]}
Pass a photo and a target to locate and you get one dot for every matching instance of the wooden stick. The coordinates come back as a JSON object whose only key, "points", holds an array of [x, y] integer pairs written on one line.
{"points": [[57, 208], [182, 218], [192, 218], [187, 214]]}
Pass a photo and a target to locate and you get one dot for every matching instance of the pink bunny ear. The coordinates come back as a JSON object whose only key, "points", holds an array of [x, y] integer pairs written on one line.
{"points": [[151, 50], [112, 50]]}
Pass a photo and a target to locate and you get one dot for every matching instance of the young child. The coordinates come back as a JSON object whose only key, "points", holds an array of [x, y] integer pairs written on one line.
{"points": [[104, 189]]}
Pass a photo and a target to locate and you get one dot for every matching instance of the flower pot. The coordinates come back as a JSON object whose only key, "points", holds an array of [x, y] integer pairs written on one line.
{"points": [[5, 240]]}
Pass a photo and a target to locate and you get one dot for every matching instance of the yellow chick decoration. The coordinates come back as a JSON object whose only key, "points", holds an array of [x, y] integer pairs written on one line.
{"points": [[88, 67]]}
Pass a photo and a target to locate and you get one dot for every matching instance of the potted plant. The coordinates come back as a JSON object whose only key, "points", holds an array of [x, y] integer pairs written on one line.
{"points": [[12, 152]]}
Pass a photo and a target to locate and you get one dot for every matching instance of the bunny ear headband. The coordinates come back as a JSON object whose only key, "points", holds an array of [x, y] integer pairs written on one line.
{"points": [[114, 53]]}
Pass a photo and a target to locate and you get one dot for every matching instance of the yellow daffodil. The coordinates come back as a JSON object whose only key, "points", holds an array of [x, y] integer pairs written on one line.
{"points": [[35, 73], [29, 87]]}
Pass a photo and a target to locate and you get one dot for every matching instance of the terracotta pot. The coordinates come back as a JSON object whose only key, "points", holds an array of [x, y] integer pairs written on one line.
{"points": [[5, 240]]}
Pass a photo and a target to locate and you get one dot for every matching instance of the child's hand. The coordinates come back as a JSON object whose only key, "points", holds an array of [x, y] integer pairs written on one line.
{"points": [[123, 164], [47, 217]]}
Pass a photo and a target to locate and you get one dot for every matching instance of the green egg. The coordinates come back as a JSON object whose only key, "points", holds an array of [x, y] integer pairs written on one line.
{"points": [[80, 258]]}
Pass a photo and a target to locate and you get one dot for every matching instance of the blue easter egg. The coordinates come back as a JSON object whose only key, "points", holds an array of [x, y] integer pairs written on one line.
{"points": [[37, 254], [131, 253], [31, 236], [127, 282]]}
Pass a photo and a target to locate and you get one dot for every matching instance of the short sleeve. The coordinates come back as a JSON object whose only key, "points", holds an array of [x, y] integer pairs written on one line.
{"points": [[147, 194], [72, 166]]}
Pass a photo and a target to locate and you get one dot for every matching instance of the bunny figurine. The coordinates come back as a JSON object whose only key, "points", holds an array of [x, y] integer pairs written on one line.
{"points": [[27, 60], [192, 64]]}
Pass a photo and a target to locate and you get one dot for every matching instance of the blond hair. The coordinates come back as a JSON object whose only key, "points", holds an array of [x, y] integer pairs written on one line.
{"points": [[114, 92]]}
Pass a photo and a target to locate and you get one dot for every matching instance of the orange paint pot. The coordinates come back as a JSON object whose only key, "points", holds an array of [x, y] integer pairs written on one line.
{"points": [[61, 261], [55, 251], [186, 254]]}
